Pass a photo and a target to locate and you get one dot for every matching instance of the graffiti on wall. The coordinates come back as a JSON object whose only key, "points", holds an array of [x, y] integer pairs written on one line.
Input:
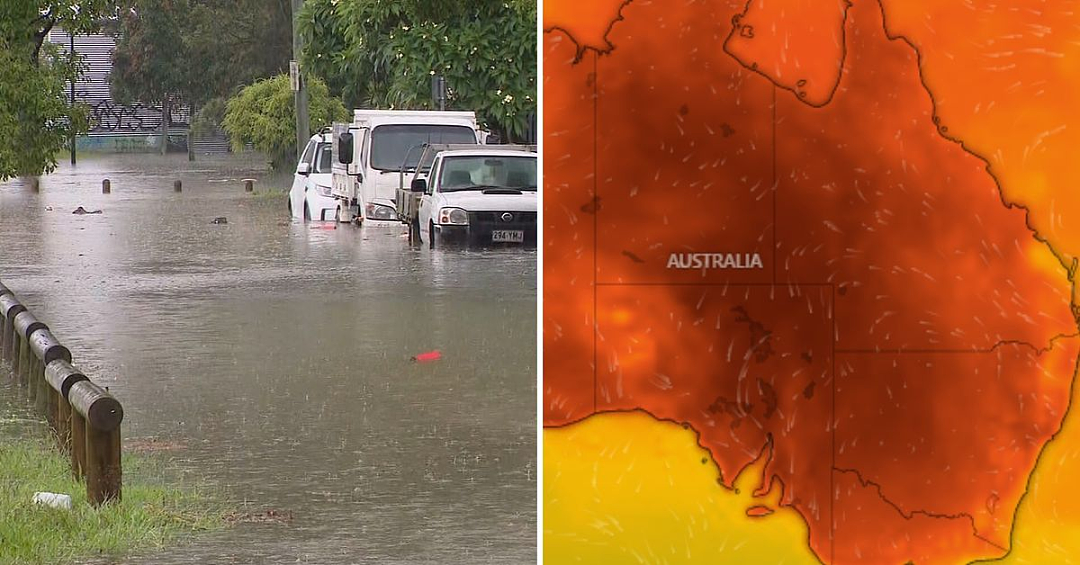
{"points": [[107, 116]]}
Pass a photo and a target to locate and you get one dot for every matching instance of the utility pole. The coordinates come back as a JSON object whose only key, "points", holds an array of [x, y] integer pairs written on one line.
{"points": [[303, 129], [71, 57], [438, 91]]}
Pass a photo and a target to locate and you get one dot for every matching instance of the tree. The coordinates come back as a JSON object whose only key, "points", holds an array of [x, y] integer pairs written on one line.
{"points": [[151, 62], [263, 115], [198, 52], [36, 118], [382, 53], [236, 42]]}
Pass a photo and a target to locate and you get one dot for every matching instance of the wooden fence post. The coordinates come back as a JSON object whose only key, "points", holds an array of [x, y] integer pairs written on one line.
{"points": [[61, 375], [25, 326], [102, 415], [9, 308], [47, 349]]}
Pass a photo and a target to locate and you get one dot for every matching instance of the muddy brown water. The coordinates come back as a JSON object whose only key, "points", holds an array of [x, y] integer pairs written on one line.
{"points": [[270, 359]]}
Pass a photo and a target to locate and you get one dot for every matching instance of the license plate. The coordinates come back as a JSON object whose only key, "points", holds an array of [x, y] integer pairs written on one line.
{"points": [[508, 236]]}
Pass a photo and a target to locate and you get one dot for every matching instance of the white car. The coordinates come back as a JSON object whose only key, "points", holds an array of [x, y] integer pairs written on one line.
{"points": [[484, 196], [309, 198]]}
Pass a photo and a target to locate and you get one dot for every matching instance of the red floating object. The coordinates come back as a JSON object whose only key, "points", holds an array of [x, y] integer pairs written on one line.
{"points": [[429, 356]]}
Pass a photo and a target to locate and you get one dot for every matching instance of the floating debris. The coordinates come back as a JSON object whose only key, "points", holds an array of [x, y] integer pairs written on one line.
{"points": [[53, 500], [264, 517], [151, 444], [429, 356]]}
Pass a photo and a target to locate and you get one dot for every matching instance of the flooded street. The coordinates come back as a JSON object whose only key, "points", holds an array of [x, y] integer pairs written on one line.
{"points": [[272, 358]]}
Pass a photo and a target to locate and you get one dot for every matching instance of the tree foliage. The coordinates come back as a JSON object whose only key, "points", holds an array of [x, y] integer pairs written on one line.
{"points": [[263, 115], [233, 43], [150, 62], [198, 51], [383, 53], [36, 119]]}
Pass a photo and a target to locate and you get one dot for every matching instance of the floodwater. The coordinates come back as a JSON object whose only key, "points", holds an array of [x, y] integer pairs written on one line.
{"points": [[271, 359]]}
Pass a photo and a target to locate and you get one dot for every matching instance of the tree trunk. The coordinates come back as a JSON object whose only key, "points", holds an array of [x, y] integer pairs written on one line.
{"points": [[190, 138], [164, 125]]}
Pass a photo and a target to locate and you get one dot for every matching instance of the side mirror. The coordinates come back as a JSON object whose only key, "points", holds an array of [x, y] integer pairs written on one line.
{"points": [[419, 185], [303, 169], [345, 148], [493, 139]]}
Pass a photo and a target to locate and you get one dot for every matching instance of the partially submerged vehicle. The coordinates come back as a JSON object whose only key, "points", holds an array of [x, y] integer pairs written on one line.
{"points": [[369, 153], [309, 198], [468, 194]]}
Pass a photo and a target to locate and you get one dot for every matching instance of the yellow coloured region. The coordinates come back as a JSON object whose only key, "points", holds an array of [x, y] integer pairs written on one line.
{"points": [[627, 488], [1047, 526]]}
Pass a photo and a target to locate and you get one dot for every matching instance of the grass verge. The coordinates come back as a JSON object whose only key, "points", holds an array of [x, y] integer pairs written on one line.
{"points": [[270, 194], [150, 515]]}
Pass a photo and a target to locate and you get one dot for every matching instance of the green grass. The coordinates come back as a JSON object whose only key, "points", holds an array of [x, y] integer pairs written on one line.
{"points": [[151, 514], [270, 194]]}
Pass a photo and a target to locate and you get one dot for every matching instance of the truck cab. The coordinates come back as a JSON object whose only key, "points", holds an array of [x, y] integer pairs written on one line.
{"points": [[472, 195], [370, 152]]}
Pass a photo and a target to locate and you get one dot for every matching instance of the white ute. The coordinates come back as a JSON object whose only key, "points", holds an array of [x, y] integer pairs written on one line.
{"points": [[369, 152], [472, 195]]}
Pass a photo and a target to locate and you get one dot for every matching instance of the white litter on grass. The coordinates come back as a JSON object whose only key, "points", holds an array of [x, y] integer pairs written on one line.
{"points": [[53, 500]]}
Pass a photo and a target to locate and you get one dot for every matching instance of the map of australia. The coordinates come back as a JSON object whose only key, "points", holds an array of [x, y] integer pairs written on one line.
{"points": [[767, 223]]}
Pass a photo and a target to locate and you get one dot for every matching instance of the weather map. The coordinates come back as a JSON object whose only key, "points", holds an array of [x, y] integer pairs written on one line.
{"points": [[810, 281]]}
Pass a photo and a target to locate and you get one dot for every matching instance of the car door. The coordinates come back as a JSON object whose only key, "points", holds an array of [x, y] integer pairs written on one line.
{"points": [[296, 193], [427, 199]]}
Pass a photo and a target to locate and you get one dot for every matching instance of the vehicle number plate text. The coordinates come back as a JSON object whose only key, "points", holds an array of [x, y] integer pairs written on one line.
{"points": [[508, 236]]}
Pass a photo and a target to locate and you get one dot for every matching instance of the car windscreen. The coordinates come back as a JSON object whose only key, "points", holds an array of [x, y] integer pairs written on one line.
{"points": [[324, 158], [390, 143], [485, 172]]}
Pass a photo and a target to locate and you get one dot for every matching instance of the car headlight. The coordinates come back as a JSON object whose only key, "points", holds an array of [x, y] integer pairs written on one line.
{"points": [[380, 212], [453, 217], [322, 190]]}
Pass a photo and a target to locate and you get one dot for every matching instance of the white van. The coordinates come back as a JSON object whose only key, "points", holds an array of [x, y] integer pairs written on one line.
{"points": [[369, 154]]}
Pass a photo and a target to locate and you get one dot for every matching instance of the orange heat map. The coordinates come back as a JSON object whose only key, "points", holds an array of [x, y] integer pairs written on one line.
{"points": [[837, 243]]}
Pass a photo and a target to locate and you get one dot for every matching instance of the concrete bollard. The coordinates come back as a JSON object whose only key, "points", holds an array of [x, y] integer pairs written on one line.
{"points": [[106, 186], [249, 185], [178, 186]]}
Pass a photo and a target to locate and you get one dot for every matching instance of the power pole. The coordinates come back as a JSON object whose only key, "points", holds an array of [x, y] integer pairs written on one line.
{"points": [[303, 129], [438, 91], [71, 55]]}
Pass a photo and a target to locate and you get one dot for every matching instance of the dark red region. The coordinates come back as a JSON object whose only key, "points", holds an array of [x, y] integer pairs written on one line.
{"points": [[684, 152], [569, 245]]}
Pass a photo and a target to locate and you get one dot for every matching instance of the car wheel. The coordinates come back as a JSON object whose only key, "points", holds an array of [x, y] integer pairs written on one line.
{"points": [[431, 235], [307, 213]]}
